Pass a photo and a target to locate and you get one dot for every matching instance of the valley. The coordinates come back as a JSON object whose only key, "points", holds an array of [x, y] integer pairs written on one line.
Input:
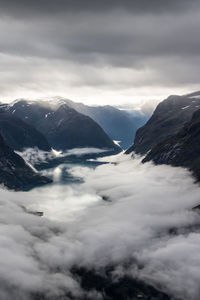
{"points": [[95, 222]]}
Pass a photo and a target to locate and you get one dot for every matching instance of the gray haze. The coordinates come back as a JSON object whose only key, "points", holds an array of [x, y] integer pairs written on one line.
{"points": [[99, 51]]}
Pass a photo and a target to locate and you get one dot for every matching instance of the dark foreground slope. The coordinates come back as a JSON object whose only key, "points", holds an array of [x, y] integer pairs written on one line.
{"points": [[63, 127], [19, 135], [182, 149], [15, 173], [101, 285], [123, 288], [167, 120]]}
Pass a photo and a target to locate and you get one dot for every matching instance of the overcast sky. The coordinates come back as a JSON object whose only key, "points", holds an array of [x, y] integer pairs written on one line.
{"points": [[113, 51]]}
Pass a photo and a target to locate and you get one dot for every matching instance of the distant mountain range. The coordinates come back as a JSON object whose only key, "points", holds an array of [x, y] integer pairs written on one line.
{"points": [[44, 125], [172, 135], [120, 124], [62, 126]]}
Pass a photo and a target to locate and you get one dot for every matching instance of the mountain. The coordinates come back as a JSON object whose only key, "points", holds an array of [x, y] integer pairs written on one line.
{"points": [[63, 127], [119, 124], [167, 120], [15, 173], [20, 135], [182, 149]]}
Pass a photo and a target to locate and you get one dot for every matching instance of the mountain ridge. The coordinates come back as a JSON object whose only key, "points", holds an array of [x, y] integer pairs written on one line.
{"points": [[120, 125], [168, 118], [63, 127], [182, 149]]}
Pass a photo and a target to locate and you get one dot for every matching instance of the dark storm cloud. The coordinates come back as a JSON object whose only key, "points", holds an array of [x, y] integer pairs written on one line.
{"points": [[81, 36], [112, 44], [50, 6]]}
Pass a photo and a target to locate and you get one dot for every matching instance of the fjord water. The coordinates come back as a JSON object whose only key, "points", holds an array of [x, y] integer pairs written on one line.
{"points": [[63, 199]]}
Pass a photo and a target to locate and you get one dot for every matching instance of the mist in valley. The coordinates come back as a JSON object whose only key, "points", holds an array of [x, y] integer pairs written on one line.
{"points": [[134, 217]]}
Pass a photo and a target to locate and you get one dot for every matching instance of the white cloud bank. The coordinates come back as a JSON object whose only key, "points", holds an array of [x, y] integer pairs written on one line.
{"points": [[35, 156], [79, 228]]}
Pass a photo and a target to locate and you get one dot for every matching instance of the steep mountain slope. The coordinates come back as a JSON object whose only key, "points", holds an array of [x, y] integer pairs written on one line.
{"points": [[120, 125], [15, 173], [67, 129], [182, 149], [64, 127], [167, 119], [20, 135]]}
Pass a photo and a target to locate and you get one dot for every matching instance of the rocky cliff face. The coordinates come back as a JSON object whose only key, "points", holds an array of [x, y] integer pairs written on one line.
{"points": [[19, 135], [15, 173], [64, 127], [167, 120], [182, 149]]}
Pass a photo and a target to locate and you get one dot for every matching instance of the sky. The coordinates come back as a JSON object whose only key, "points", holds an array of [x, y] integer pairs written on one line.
{"points": [[99, 52]]}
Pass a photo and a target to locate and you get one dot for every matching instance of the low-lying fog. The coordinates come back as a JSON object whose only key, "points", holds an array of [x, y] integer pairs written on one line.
{"points": [[122, 212]]}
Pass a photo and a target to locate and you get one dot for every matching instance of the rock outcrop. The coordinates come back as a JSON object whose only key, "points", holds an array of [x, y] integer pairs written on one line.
{"points": [[182, 149], [167, 120], [15, 173]]}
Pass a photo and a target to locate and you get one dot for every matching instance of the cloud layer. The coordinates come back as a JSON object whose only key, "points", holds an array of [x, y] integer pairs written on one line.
{"points": [[103, 52], [65, 6], [145, 206]]}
